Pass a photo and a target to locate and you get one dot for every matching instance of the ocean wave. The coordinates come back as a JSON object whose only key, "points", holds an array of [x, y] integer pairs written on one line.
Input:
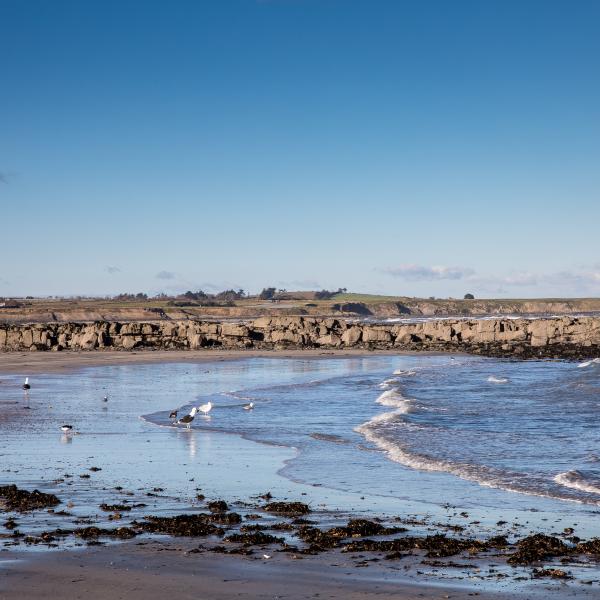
{"points": [[384, 385], [395, 399], [577, 481], [587, 363], [383, 433], [494, 379], [405, 372]]}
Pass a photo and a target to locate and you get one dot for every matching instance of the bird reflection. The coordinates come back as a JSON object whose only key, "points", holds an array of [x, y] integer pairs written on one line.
{"points": [[66, 439]]}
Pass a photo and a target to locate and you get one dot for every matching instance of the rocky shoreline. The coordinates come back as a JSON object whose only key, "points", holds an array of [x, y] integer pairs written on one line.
{"points": [[553, 337]]}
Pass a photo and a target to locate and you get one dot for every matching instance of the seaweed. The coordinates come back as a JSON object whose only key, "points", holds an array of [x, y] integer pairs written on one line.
{"points": [[538, 547], [12, 498], [255, 538], [198, 525], [287, 508]]}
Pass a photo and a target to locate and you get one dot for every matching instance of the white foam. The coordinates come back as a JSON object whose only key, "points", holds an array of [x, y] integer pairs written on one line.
{"points": [[587, 363], [395, 399], [576, 481], [384, 385], [494, 379], [405, 373]]}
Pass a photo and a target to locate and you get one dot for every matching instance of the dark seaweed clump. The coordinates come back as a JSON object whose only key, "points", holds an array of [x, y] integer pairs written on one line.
{"points": [[120, 507], [217, 506], [287, 508], [12, 498], [199, 525], [553, 573], [535, 548], [330, 538], [255, 538], [435, 546], [93, 533]]}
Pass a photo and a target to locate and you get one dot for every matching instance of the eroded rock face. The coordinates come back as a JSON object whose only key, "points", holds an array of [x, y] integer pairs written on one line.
{"points": [[559, 337]]}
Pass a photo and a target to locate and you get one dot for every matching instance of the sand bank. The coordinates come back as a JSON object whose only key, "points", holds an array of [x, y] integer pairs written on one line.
{"points": [[158, 570]]}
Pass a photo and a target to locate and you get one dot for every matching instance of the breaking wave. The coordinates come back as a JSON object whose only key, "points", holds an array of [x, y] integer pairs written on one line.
{"points": [[578, 481]]}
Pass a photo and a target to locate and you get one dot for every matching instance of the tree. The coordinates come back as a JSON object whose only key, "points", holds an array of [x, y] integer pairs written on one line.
{"points": [[267, 293], [469, 297]]}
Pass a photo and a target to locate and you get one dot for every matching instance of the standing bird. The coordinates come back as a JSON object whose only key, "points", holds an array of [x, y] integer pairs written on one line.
{"points": [[26, 385], [205, 408], [173, 415], [249, 406], [105, 399], [187, 419]]}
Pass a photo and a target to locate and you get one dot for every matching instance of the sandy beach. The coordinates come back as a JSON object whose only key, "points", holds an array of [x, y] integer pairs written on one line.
{"points": [[118, 461], [157, 570]]}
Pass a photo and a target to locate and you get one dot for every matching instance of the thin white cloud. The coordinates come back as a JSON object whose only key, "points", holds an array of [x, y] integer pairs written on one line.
{"points": [[165, 275], [412, 272]]}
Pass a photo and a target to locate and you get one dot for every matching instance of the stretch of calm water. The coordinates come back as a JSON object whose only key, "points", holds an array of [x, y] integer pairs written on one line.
{"points": [[425, 431]]}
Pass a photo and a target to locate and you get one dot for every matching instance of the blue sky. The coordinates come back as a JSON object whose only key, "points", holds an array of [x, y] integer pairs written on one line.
{"points": [[415, 148]]}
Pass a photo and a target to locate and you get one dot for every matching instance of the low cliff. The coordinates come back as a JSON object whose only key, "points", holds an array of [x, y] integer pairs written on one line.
{"points": [[568, 337]]}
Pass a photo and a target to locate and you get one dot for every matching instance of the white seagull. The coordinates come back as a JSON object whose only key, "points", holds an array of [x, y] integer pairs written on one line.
{"points": [[205, 408], [249, 406], [105, 399], [187, 419], [66, 428], [26, 385]]}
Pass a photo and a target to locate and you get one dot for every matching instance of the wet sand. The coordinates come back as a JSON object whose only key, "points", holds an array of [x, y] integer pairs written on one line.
{"points": [[157, 570], [56, 362]]}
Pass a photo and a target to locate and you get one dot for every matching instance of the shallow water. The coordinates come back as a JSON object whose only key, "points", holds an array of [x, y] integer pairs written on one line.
{"points": [[381, 434]]}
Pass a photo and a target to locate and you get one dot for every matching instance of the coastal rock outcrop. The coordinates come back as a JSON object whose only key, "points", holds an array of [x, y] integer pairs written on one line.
{"points": [[565, 336]]}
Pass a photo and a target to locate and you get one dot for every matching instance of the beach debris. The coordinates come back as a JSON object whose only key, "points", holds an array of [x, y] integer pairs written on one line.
{"points": [[538, 547], [93, 533], [255, 538], [255, 527], [218, 506], [287, 508], [13, 498], [120, 507], [243, 550], [196, 525], [553, 573]]}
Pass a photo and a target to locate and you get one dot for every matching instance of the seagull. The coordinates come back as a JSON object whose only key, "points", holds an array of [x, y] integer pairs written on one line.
{"points": [[173, 415], [66, 428], [26, 385], [205, 408], [105, 399], [249, 406], [187, 419]]}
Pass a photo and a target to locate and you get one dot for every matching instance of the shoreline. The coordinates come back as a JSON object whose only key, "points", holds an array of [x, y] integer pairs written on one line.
{"points": [[55, 362]]}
